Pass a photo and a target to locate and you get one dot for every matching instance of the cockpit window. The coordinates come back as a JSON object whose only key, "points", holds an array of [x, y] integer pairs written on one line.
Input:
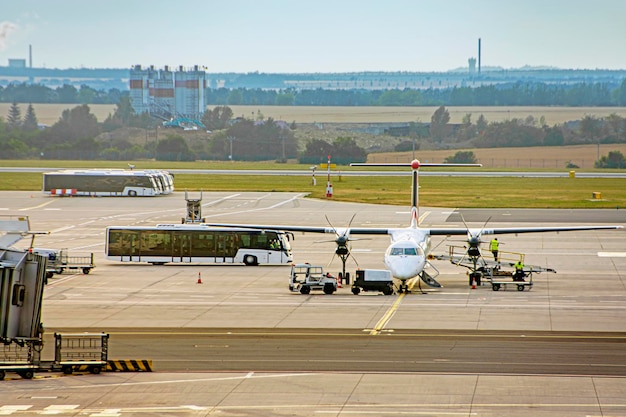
{"points": [[405, 251]]}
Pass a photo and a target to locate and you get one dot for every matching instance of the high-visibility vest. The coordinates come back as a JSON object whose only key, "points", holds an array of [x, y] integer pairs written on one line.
{"points": [[494, 244], [519, 265]]}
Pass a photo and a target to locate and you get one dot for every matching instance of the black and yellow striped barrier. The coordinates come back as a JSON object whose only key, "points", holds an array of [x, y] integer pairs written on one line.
{"points": [[129, 366]]}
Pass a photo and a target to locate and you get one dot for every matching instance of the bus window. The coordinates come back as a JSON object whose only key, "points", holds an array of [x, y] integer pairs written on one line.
{"points": [[123, 242], [156, 243], [181, 244], [224, 244], [202, 244], [258, 241]]}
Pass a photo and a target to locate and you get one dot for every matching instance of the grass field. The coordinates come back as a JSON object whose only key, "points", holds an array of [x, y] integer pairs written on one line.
{"points": [[481, 192], [538, 158], [435, 191], [50, 113]]}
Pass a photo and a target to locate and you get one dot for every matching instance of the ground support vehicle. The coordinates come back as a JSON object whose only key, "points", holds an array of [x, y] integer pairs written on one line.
{"points": [[71, 352], [307, 277], [67, 261], [500, 279], [60, 260], [373, 280]]}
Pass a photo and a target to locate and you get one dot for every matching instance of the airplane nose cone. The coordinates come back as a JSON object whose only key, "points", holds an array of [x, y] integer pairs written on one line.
{"points": [[406, 267]]}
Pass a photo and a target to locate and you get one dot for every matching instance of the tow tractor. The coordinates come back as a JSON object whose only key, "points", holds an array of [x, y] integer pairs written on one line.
{"points": [[306, 277]]}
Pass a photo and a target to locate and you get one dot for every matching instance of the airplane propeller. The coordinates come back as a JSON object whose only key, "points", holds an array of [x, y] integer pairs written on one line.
{"points": [[473, 243], [342, 239]]}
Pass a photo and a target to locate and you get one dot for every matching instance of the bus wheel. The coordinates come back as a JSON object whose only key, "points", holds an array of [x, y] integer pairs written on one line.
{"points": [[132, 193], [250, 260], [26, 374]]}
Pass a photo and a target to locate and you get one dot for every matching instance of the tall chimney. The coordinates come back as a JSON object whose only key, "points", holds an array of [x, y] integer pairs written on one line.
{"points": [[479, 55], [30, 56]]}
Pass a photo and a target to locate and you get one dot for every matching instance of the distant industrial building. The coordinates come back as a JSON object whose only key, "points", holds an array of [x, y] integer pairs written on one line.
{"points": [[17, 63], [168, 94]]}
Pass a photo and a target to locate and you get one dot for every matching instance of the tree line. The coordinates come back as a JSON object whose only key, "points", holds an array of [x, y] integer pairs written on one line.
{"points": [[518, 94], [509, 94], [79, 135]]}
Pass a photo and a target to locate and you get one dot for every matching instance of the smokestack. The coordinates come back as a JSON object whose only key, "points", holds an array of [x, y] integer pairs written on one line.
{"points": [[479, 55], [30, 56]]}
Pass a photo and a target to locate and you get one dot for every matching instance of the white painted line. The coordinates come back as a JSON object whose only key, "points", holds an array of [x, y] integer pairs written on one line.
{"points": [[62, 229], [36, 207], [58, 409], [612, 254], [109, 412], [6, 410], [193, 381]]}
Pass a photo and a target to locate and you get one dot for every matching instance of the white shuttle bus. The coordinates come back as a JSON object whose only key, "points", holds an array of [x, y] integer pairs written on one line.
{"points": [[184, 243], [107, 182]]}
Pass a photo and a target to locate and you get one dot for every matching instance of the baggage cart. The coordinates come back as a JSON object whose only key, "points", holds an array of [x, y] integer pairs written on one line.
{"points": [[72, 352]]}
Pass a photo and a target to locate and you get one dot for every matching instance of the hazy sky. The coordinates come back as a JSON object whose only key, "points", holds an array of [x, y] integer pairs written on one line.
{"points": [[314, 36]]}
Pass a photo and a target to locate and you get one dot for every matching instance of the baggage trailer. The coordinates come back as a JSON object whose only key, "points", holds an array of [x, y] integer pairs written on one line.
{"points": [[498, 280], [65, 261], [72, 351], [60, 260], [373, 280]]}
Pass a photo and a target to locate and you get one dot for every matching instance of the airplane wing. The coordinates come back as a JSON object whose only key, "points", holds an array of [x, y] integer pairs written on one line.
{"points": [[307, 229], [514, 230], [391, 230]]}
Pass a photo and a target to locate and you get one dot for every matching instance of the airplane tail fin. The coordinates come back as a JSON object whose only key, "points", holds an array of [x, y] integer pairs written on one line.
{"points": [[415, 165], [415, 211]]}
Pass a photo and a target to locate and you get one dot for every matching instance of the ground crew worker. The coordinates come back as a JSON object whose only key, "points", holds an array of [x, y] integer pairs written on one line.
{"points": [[519, 271], [494, 246]]}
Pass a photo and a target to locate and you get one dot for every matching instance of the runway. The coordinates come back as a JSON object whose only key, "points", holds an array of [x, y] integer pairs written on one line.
{"points": [[555, 350]]}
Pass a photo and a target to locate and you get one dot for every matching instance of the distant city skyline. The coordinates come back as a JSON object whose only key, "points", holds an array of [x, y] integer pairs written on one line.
{"points": [[282, 36]]}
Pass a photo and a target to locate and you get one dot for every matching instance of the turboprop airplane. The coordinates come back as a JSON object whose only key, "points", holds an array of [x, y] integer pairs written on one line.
{"points": [[407, 255]]}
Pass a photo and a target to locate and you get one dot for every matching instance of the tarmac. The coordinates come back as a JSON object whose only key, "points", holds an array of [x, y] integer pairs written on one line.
{"points": [[587, 294]]}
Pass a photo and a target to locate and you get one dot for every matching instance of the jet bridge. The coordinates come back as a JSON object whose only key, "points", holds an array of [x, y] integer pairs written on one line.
{"points": [[22, 277]]}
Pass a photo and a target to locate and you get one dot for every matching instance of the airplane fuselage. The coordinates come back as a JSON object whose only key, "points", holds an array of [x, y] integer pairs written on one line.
{"points": [[406, 255]]}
